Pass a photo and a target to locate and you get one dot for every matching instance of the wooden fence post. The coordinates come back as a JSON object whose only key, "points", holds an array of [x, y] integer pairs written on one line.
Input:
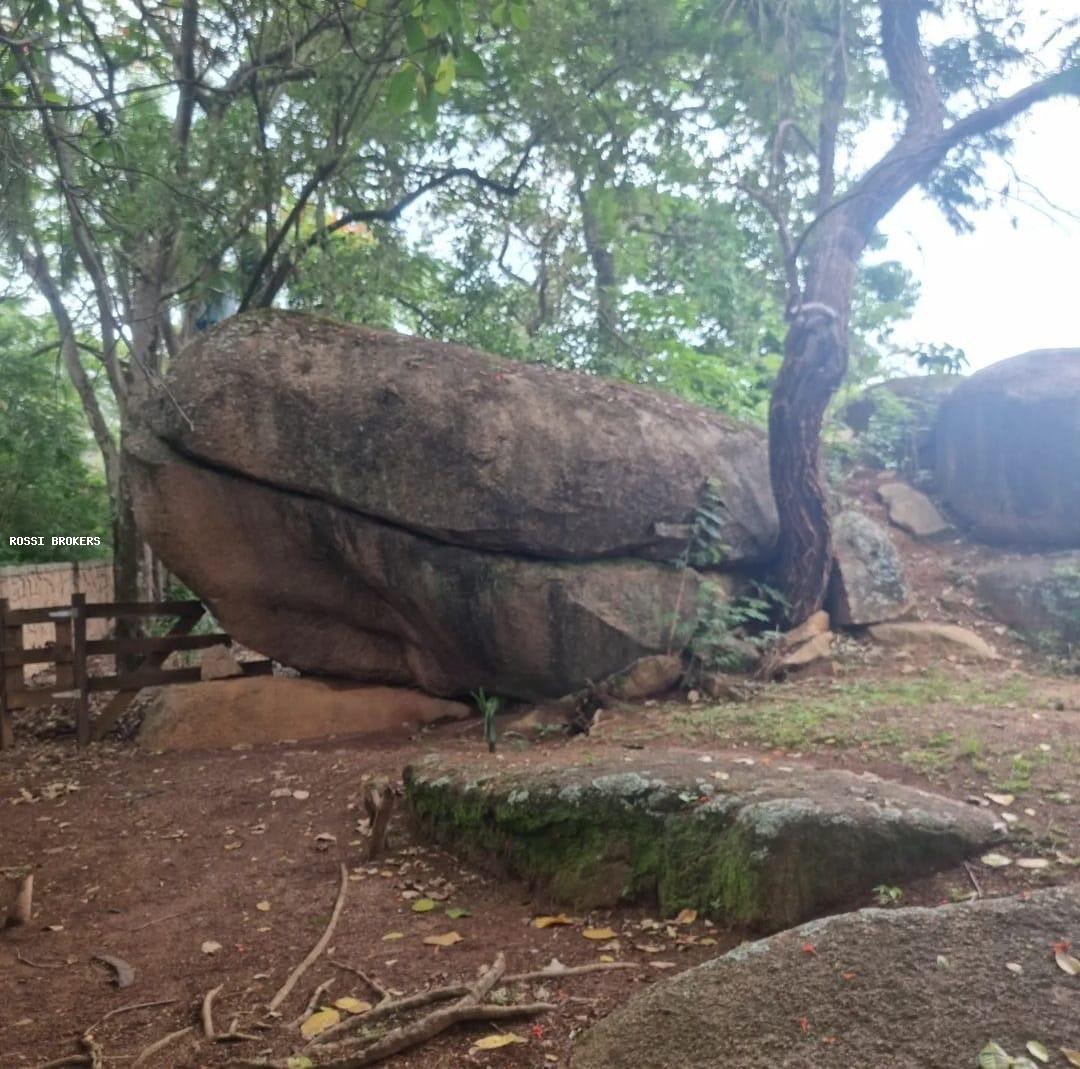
{"points": [[11, 676], [80, 671]]}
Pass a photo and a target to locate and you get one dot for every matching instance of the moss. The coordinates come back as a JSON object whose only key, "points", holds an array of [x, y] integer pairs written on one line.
{"points": [[600, 845]]}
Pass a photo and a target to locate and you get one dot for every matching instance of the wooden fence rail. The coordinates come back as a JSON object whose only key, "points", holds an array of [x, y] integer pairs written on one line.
{"points": [[71, 649]]}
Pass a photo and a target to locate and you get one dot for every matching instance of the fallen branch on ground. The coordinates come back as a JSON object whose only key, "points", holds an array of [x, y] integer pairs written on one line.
{"points": [[391, 1007], [317, 949], [66, 1060]]}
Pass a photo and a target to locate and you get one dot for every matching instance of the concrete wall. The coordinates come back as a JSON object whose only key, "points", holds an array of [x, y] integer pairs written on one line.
{"points": [[35, 586]]}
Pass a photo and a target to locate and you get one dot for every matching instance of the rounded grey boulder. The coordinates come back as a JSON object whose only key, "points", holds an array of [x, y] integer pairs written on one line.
{"points": [[1008, 449]]}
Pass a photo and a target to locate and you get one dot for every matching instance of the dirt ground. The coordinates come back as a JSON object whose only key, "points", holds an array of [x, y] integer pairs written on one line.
{"points": [[149, 857]]}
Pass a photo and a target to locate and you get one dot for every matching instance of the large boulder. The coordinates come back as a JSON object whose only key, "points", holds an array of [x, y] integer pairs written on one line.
{"points": [[892, 989], [753, 847], [1038, 596], [1008, 450], [362, 504]]}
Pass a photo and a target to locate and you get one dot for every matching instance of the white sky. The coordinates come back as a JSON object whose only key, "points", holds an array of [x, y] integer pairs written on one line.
{"points": [[1002, 290]]}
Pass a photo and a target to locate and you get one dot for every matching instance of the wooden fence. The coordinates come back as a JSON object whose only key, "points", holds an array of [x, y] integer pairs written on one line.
{"points": [[70, 651]]}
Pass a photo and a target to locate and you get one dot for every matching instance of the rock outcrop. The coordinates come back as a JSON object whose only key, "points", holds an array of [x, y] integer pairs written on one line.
{"points": [[890, 989], [1008, 450], [269, 709], [868, 584], [357, 503], [1038, 596], [765, 848]]}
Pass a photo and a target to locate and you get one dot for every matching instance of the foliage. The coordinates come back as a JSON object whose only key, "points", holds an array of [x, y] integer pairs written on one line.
{"points": [[888, 895], [891, 437], [730, 633], [47, 487], [942, 360], [488, 706]]}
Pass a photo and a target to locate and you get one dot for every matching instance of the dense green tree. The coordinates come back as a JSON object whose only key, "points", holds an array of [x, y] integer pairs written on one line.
{"points": [[47, 487]]}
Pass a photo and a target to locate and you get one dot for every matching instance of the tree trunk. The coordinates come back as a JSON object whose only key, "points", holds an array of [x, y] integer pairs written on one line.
{"points": [[815, 362], [127, 554]]}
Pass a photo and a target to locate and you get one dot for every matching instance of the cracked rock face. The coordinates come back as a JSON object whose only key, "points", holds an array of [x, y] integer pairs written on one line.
{"points": [[743, 845], [357, 503]]}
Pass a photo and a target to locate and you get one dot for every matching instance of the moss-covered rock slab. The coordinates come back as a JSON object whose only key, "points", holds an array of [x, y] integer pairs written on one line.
{"points": [[740, 842]]}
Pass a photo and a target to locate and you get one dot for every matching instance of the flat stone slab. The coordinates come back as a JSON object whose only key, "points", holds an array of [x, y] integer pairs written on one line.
{"points": [[892, 989], [913, 511], [743, 843]]}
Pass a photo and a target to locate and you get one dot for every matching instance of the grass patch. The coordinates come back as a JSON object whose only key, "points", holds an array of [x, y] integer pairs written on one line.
{"points": [[791, 717]]}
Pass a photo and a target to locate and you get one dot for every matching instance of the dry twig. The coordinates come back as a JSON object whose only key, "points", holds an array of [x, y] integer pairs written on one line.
{"points": [[149, 1052], [124, 1009], [208, 1011], [309, 1009], [379, 803], [39, 964], [317, 949], [67, 1059], [94, 1054], [374, 984], [974, 881]]}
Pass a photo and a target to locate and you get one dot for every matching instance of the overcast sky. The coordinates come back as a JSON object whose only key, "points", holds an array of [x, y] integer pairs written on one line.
{"points": [[1002, 290]]}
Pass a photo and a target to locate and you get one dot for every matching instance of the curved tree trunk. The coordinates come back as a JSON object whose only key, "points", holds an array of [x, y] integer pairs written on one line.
{"points": [[815, 355], [815, 362]]}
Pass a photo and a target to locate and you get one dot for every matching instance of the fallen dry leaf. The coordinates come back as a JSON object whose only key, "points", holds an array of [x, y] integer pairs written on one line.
{"points": [[1001, 799], [390, 936], [423, 905], [551, 922], [995, 861], [598, 933], [686, 916], [1071, 1056], [500, 1039], [1033, 863], [663, 965], [447, 939], [263, 906], [1067, 963], [319, 1022], [210, 947], [352, 1005]]}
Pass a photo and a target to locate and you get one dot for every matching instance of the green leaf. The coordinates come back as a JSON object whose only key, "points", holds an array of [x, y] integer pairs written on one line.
{"points": [[993, 1057], [500, 14], [444, 75], [423, 905], [469, 64], [456, 913], [402, 90], [415, 37], [428, 106], [1037, 1050], [519, 17], [53, 98]]}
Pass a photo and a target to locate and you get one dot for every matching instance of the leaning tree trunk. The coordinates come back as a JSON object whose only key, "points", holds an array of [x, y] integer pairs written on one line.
{"points": [[815, 362]]}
